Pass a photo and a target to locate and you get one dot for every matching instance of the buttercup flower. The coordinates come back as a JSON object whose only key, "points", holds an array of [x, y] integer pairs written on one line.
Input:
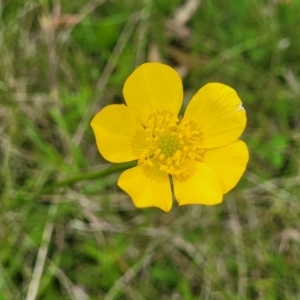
{"points": [[198, 157]]}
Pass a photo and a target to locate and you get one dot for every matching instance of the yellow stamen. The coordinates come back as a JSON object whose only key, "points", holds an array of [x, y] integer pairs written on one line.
{"points": [[173, 145]]}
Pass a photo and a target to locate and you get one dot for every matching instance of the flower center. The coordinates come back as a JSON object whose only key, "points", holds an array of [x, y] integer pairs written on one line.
{"points": [[170, 144]]}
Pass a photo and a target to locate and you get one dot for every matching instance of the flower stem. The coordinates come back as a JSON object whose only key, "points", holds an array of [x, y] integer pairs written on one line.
{"points": [[88, 176]]}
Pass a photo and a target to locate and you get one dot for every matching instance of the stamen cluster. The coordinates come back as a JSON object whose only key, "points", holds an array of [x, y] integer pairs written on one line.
{"points": [[174, 144]]}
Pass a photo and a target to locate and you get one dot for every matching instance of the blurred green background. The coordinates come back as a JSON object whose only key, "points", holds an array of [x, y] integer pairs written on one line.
{"points": [[61, 62]]}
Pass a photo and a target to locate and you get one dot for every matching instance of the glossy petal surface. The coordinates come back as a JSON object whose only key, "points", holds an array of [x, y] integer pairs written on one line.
{"points": [[144, 191], [229, 162], [114, 127], [153, 87], [218, 111], [203, 187]]}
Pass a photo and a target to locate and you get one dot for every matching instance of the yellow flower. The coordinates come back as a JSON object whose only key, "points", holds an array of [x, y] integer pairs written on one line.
{"points": [[199, 153]]}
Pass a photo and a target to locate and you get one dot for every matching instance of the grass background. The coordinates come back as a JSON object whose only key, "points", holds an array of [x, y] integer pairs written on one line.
{"points": [[61, 62]]}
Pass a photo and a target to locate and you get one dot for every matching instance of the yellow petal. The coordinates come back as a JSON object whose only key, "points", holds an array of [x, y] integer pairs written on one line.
{"points": [[229, 162], [218, 111], [153, 87], [146, 191], [114, 127], [202, 187]]}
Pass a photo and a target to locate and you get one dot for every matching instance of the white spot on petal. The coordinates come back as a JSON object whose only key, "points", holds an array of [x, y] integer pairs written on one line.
{"points": [[240, 107]]}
